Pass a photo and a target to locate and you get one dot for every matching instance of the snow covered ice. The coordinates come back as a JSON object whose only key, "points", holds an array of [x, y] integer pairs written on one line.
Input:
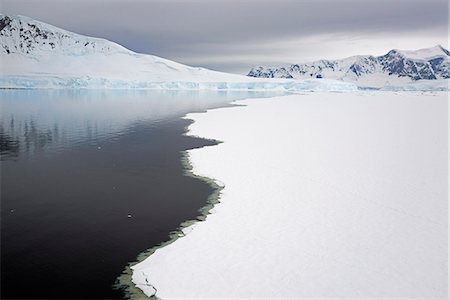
{"points": [[326, 195]]}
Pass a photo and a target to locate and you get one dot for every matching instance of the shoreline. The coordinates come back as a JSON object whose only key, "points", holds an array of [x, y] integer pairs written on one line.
{"points": [[124, 281]]}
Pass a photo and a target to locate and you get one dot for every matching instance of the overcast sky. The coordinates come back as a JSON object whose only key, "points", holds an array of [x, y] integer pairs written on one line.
{"points": [[233, 36]]}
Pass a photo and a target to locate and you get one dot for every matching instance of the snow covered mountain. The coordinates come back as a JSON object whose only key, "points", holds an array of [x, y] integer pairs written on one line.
{"points": [[34, 54], [394, 68], [35, 49]]}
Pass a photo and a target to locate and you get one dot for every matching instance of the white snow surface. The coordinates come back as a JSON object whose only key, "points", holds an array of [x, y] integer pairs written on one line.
{"points": [[424, 69], [325, 196], [424, 53], [34, 54]]}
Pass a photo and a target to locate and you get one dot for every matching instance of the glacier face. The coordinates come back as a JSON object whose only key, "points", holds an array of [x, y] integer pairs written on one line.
{"points": [[87, 82], [394, 68]]}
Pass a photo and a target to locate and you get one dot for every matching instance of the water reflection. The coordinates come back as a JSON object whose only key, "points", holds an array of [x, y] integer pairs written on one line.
{"points": [[75, 165], [26, 135], [38, 121], [9, 146]]}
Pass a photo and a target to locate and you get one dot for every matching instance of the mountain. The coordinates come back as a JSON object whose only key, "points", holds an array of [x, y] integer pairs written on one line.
{"points": [[394, 68], [34, 54], [33, 48]]}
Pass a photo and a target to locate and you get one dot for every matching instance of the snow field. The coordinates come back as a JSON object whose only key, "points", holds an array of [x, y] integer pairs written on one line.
{"points": [[326, 195]]}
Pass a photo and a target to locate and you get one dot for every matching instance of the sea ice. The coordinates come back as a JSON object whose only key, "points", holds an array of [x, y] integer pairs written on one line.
{"points": [[326, 196]]}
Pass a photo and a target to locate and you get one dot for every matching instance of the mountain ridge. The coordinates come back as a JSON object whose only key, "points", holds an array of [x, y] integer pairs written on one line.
{"points": [[29, 36], [394, 66]]}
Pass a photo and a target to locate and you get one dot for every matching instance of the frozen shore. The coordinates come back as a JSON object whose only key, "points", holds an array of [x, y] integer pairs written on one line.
{"points": [[325, 195], [222, 82]]}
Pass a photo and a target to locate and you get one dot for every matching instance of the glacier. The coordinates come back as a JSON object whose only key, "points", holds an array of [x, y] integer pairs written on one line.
{"points": [[88, 82]]}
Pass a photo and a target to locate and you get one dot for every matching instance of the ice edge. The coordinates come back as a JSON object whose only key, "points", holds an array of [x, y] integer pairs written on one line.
{"points": [[124, 282]]}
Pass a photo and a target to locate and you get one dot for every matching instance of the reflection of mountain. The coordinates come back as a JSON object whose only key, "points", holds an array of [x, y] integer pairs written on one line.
{"points": [[41, 120], [24, 136], [9, 147]]}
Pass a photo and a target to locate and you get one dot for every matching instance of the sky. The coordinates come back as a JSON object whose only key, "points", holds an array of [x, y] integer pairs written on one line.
{"points": [[235, 35]]}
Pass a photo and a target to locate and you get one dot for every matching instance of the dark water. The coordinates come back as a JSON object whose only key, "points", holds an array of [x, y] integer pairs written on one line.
{"points": [[74, 165]]}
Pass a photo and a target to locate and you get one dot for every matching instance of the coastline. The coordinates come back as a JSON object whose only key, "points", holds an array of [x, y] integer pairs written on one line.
{"points": [[125, 282]]}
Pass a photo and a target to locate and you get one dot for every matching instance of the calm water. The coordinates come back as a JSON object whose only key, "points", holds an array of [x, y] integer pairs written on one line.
{"points": [[74, 165]]}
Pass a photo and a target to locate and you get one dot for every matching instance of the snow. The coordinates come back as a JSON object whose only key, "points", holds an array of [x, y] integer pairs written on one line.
{"points": [[425, 53], [396, 70], [326, 195], [422, 85], [379, 81], [28, 36], [37, 55]]}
